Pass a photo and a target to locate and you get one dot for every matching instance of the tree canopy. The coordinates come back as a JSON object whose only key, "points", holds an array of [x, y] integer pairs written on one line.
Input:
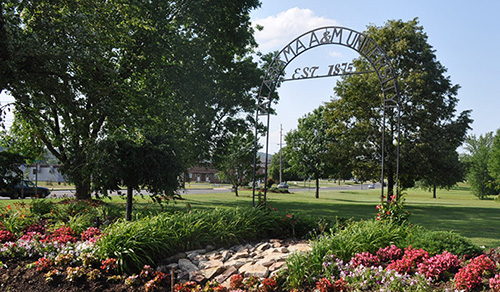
{"points": [[308, 147], [476, 159], [234, 159], [84, 70], [431, 130]]}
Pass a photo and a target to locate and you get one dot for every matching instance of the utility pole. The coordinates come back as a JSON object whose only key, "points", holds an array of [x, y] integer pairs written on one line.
{"points": [[281, 167]]}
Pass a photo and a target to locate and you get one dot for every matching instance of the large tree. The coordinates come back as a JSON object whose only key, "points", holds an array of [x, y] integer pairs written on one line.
{"points": [[82, 70], [308, 147], [150, 162], [430, 126], [234, 159]]}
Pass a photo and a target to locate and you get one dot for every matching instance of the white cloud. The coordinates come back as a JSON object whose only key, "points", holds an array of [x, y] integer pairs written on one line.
{"points": [[336, 55], [279, 30]]}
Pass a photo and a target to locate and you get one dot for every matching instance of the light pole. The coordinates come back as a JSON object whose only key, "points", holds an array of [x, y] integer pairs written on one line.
{"points": [[281, 156]]}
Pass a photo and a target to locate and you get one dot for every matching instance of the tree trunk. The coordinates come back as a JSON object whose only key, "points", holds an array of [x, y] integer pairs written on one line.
{"points": [[236, 190], [128, 216], [434, 191], [82, 190], [317, 188]]}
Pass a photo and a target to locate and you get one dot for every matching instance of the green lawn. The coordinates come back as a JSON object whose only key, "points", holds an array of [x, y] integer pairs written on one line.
{"points": [[456, 210]]}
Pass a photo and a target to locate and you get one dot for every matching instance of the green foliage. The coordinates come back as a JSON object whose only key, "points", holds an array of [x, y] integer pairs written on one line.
{"points": [[431, 131], [43, 207], [10, 173], [494, 162], [369, 236], [476, 159], [167, 66], [16, 218], [235, 158], [307, 148], [435, 242], [393, 211], [140, 242]]}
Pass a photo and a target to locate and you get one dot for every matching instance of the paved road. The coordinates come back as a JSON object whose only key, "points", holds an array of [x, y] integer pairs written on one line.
{"points": [[71, 193]]}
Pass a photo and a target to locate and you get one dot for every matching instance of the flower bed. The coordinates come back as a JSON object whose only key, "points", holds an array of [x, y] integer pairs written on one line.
{"points": [[40, 247]]}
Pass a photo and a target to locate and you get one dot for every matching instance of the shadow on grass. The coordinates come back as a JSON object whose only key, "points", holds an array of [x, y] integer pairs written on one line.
{"points": [[468, 221]]}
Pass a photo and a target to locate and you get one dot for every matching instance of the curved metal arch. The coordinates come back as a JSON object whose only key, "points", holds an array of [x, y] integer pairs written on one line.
{"points": [[329, 35]]}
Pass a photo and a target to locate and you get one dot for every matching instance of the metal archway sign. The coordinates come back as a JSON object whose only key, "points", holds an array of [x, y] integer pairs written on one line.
{"points": [[330, 35]]}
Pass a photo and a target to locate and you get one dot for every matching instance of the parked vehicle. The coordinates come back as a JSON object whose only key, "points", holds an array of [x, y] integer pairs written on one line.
{"points": [[283, 185], [25, 188], [371, 186]]}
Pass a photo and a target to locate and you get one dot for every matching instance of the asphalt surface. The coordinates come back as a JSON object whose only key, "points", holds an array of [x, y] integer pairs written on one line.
{"points": [[188, 191]]}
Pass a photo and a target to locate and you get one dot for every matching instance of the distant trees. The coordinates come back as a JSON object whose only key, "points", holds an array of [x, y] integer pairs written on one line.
{"points": [[307, 147], [287, 172], [494, 163], [234, 160], [479, 160]]}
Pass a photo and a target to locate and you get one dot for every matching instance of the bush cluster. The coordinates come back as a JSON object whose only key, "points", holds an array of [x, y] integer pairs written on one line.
{"points": [[383, 240], [135, 243]]}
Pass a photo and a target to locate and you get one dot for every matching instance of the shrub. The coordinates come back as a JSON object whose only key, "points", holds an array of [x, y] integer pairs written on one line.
{"points": [[43, 207], [495, 283], [408, 263], [389, 253], [435, 242], [136, 243], [6, 236], [440, 266], [470, 276], [91, 234], [365, 258], [359, 237], [393, 211]]}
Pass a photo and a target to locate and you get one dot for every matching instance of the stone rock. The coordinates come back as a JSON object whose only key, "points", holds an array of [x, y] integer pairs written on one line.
{"points": [[210, 247], [197, 276], [210, 264], [177, 257], [260, 260], [283, 249], [187, 265], [225, 255], [254, 270], [240, 255], [235, 263], [271, 259], [226, 274], [277, 266], [192, 254], [237, 248], [210, 273], [263, 246]]}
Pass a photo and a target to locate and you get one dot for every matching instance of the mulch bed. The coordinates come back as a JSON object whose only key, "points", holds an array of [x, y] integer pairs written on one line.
{"points": [[17, 278]]}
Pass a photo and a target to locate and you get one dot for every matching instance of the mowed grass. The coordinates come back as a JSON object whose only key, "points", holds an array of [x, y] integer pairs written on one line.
{"points": [[455, 210]]}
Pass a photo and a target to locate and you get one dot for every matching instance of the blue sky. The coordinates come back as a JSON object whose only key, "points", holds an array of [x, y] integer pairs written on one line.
{"points": [[465, 35]]}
